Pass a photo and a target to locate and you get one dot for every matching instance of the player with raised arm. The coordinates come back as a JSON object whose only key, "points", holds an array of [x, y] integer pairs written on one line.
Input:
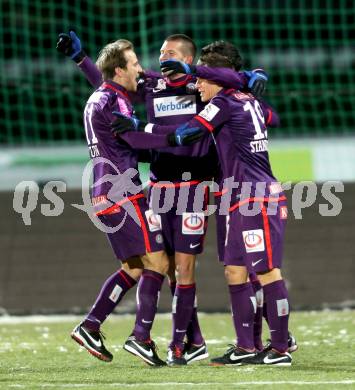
{"points": [[253, 242], [121, 207], [169, 100]]}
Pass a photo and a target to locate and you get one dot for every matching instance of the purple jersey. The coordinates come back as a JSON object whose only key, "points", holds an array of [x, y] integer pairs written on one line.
{"points": [[238, 123], [173, 103], [120, 154]]}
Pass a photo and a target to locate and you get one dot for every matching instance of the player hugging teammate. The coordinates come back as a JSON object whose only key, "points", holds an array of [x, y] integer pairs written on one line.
{"points": [[205, 141]]}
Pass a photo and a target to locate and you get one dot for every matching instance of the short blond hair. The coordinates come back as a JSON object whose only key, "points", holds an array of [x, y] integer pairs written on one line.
{"points": [[112, 56]]}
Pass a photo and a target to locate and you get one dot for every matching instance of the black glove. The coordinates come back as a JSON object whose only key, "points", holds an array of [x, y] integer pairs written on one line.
{"points": [[172, 66], [124, 123], [70, 46]]}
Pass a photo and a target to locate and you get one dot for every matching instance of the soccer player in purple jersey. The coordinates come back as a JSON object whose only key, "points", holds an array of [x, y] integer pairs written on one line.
{"points": [[174, 100], [253, 241], [138, 243]]}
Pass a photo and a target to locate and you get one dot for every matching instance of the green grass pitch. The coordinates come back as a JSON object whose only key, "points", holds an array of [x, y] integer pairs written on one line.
{"points": [[40, 355]]}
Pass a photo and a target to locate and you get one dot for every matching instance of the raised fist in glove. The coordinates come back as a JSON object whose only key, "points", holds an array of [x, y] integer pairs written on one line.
{"points": [[70, 46]]}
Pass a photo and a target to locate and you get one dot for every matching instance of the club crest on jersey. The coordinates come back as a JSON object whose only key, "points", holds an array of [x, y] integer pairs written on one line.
{"points": [[254, 240], [174, 105], [161, 85], [154, 221], [193, 223]]}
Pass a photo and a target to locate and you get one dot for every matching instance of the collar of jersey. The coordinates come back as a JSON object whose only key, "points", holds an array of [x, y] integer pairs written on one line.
{"points": [[110, 84], [178, 82], [227, 91]]}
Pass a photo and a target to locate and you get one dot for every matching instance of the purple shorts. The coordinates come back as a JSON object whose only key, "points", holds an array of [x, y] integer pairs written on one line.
{"points": [[256, 241], [183, 219], [136, 236]]}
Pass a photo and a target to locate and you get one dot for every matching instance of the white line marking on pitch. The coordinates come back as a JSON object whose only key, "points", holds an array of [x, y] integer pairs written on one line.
{"points": [[263, 383], [40, 319]]}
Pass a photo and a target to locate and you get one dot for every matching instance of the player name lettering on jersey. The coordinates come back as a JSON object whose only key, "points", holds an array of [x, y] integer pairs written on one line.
{"points": [[242, 95], [259, 146], [174, 105]]}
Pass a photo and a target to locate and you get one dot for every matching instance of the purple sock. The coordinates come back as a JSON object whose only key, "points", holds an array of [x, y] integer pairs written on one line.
{"points": [[276, 298], [243, 309], [147, 300], [112, 291], [265, 312], [183, 306], [258, 319], [193, 333]]}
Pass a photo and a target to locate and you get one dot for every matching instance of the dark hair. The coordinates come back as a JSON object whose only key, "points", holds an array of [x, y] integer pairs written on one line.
{"points": [[189, 45], [112, 56], [221, 54]]}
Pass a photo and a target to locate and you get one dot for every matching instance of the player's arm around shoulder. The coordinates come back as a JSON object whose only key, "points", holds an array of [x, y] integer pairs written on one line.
{"points": [[226, 77], [132, 130]]}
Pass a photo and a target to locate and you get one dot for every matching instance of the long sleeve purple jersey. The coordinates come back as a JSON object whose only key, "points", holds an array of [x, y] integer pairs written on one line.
{"points": [[239, 124], [112, 157], [173, 103]]}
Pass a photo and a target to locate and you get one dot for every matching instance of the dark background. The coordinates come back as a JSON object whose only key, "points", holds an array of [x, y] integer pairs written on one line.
{"points": [[307, 47], [58, 264]]}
